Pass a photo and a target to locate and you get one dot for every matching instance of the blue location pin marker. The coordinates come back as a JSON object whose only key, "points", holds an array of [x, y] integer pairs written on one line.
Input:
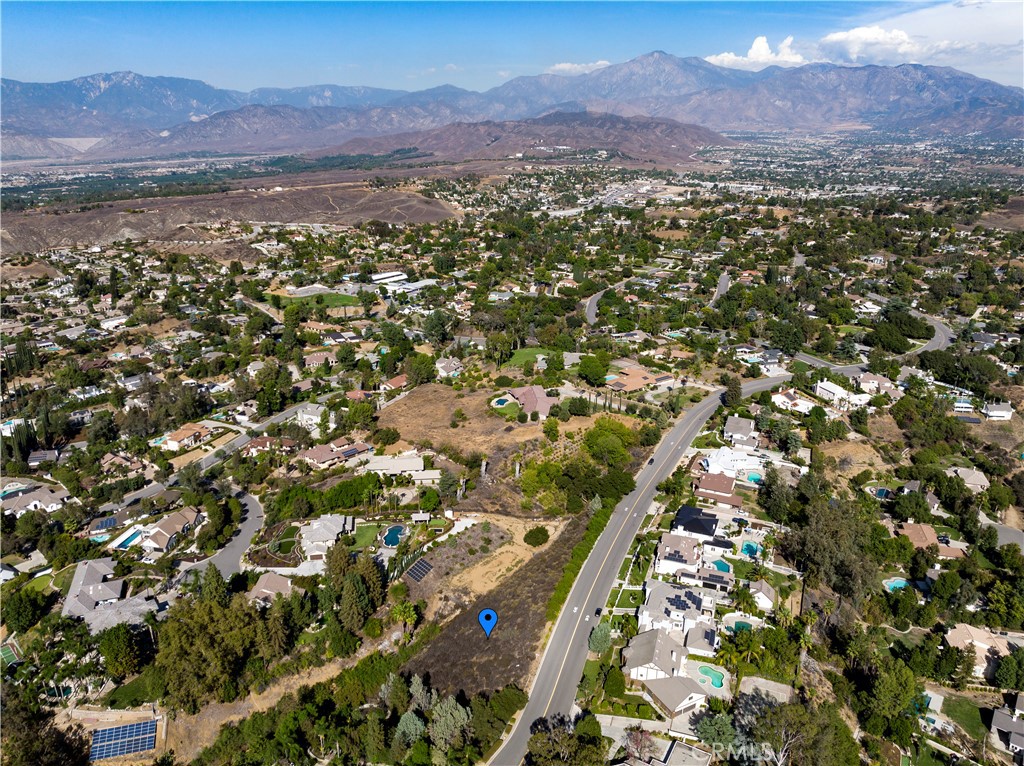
{"points": [[488, 619]]}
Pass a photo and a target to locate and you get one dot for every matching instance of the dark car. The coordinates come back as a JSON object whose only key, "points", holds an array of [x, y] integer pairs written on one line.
{"points": [[651, 461], [598, 611]]}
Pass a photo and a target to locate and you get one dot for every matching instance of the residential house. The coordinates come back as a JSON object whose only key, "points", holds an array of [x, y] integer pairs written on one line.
{"points": [[309, 416], [678, 553], [975, 480], [46, 497], [764, 595], [997, 410], [988, 647], [654, 654], [188, 436], [533, 399], [448, 367], [97, 597], [924, 535], [165, 533], [741, 432], [694, 522], [873, 384], [318, 359], [1008, 725], [838, 396], [789, 399], [270, 586], [319, 535], [397, 383], [678, 608], [717, 488], [268, 444]]}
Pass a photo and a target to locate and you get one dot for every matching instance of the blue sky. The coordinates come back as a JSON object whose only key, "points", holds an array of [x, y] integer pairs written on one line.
{"points": [[415, 45]]}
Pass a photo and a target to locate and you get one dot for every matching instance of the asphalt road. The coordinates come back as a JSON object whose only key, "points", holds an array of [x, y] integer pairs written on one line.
{"points": [[561, 666], [229, 558], [554, 688], [723, 287]]}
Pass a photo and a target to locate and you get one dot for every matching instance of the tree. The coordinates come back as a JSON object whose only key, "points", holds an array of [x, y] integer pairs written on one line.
{"points": [[30, 737], [550, 429], [214, 588], [419, 369], [600, 640], [785, 732], [615, 682], [733, 392], [410, 728], [354, 606], [119, 647], [716, 730], [405, 613], [593, 370], [23, 609], [448, 721], [638, 742], [436, 328], [1009, 674], [536, 536]]}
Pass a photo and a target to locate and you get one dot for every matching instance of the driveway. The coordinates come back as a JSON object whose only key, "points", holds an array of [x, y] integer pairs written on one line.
{"points": [[229, 558]]}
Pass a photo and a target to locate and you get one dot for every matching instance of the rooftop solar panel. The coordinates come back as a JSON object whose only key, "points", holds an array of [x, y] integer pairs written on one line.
{"points": [[106, 523], [419, 570], [123, 740]]}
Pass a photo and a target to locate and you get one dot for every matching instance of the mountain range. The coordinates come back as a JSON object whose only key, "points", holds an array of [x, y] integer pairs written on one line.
{"points": [[126, 115]]}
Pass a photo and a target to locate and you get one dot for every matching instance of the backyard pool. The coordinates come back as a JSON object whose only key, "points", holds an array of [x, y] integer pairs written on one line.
{"points": [[499, 402], [721, 566], [751, 549], [716, 676], [393, 535], [740, 625], [895, 583], [882, 493], [100, 538], [129, 541], [754, 477]]}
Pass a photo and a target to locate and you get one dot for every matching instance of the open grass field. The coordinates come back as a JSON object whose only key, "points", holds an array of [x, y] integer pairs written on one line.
{"points": [[39, 583], [524, 355], [966, 714], [330, 300]]}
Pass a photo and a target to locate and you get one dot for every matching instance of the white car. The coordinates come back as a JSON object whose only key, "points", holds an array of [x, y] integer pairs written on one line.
{"points": [[575, 609]]}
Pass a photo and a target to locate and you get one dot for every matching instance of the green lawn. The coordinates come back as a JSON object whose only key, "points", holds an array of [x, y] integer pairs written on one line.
{"points": [[624, 569], [965, 713], [523, 355], [630, 598], [797, 366], [62, 580], [366, 534], [146, 687], [613, 597], [954, 534], [39, 583], [510, 410], [287, 539], [928, 757], [330, 300]]}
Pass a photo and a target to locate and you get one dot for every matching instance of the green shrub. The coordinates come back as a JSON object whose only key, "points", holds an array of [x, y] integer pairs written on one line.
{"points": [[374, 628], [536, 537]]}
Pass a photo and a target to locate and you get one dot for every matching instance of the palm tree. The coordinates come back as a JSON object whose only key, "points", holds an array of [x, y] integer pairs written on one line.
{"points": [[729, 655], [749, 645], [783, 617], [405, 613], [743, 599], [828, 608]]}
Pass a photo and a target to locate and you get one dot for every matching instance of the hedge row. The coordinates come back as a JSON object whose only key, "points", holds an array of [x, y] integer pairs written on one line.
{"points": [[579, 555]]}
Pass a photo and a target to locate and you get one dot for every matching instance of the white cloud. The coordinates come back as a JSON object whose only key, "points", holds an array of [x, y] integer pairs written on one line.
{"points": [[875, 45], [504, 74], [572, 69], [452, 68], [761, 55]]}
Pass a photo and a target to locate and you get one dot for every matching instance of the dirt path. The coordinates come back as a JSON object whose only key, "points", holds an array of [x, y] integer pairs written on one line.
{"points": [[488, 574], [1013, 517], [187, 735]]}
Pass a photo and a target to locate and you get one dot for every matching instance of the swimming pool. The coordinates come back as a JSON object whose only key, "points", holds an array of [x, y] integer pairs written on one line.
{"points": [[609, 378], [717, 677], [129, 541], [100, 538], [895, 583], [754, 477], [751, 549], [500, 402], [882, 493], [158, 441], [740, 625], [393, 535], [721, 566]]}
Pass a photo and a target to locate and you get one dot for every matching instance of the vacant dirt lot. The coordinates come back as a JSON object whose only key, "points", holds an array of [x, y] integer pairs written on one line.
{"points": [[424, 415], [459, 658], [1008, 435], [852, 457]]}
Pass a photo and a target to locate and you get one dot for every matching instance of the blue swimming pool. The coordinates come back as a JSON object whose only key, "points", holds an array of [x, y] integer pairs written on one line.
{"points": [[751, 549], [895, 583], [100, 538], [393, 535], [721, 566], [717, 677], [754, 477], [129, 541], [500, 402]]}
